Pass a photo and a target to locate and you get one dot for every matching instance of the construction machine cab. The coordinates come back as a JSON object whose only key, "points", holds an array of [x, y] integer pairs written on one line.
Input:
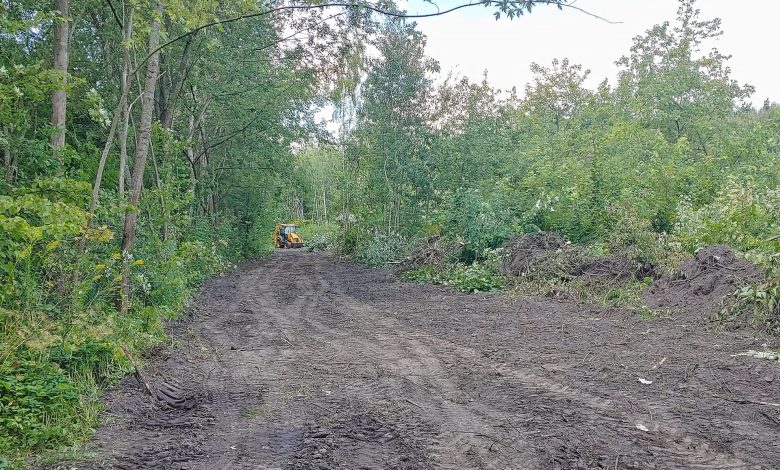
{"points": [[287, 236]]}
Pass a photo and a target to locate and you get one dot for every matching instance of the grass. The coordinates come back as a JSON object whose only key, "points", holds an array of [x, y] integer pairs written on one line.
{"points": [[612, 294], [256, 411]]}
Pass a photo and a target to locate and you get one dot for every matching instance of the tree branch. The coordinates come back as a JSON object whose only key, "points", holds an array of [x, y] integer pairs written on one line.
{"points": [[375, 9], [113, 11]]}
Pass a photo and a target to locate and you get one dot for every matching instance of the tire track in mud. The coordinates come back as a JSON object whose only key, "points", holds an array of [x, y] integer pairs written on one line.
{"points": [[302, 362], [678, 445]]}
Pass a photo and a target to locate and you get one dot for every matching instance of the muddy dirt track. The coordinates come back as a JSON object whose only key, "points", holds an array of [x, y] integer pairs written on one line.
{"points": [[302, 362]]}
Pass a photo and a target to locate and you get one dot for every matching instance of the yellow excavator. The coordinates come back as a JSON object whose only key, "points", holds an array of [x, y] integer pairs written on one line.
{"points": [[287, 236]]}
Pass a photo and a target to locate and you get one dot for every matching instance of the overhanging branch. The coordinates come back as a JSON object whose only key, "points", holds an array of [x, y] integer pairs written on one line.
{"points": [[376, 9]]}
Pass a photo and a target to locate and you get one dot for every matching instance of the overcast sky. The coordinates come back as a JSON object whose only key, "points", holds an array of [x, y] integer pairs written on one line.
{"points": [[470, 41]]}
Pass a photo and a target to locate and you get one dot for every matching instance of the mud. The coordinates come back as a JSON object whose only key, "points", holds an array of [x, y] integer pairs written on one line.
{"points": [[302, 362], [704, 284]]}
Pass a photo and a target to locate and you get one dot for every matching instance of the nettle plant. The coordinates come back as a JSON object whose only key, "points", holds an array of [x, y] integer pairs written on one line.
{"points": [[763, 299]]}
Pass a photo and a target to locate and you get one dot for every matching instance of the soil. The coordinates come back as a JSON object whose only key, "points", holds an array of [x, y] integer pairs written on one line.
{"points": [[703, 284], [302, 362]]}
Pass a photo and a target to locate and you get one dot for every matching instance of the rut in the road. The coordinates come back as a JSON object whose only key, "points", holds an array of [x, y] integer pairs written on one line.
{"points": [[302, 362]]}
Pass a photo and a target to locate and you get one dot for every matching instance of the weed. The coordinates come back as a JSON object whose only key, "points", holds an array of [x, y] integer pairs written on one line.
{"points": [[648, 313]]}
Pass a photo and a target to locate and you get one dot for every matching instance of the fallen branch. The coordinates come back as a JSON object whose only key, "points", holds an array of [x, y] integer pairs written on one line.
{"points": [[413, 403], [744, 401], [137, 372]]}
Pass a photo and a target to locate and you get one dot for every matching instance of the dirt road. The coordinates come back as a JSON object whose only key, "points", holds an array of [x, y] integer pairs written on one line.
{"points": [[302, 362]]}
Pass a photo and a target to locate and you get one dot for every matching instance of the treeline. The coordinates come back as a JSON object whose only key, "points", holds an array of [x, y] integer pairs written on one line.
{"points": [[667, 157], [670, 155]]}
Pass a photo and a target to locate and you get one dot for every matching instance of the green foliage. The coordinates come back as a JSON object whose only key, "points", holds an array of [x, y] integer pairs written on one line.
{"points": [[482, 219], [669, 159], [761, 302], [422, 275], [480, 276], [740, 216], [33, 227], [38, 403], [634, 238], [382, 249], [319, 237]]}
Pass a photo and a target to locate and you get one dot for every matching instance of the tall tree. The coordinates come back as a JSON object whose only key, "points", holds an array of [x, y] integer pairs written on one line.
{"points": [[142, 151], [59, 97]]}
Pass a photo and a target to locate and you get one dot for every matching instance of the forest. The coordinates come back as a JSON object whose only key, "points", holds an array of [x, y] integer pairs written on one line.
{"points": [[148, 145]]}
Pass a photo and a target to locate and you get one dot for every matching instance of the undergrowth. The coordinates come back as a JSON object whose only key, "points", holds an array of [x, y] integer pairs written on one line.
{"points": [[480, 276], [61, 336]]}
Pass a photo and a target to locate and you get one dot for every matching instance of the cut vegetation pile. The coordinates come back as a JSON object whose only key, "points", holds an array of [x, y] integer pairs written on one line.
{"points": [[703, 283], [434, 254], [546, 255], [537, 252], [614, 268]]}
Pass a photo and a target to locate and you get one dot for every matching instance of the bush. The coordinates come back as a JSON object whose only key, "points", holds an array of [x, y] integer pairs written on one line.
{"points": [[480, 276], [319, 237], [741, 216], [634, 238], [318, 242], [761, 302], [422, 275], [483, 219]]}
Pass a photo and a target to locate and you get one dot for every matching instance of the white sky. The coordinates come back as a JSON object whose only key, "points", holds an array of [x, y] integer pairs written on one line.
{"points": [[470, 41]]}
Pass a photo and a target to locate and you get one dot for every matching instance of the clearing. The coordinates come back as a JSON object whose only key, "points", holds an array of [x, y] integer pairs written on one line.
{"points": [[300, 361]]}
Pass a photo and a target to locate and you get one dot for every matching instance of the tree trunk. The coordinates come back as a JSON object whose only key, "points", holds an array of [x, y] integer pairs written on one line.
{"points": [[59, 97], [8, 159], [141, 153], [177, 82], [128, 34]]}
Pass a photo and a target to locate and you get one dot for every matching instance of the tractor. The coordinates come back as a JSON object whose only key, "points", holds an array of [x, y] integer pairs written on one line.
{"points": [[286, 236]]}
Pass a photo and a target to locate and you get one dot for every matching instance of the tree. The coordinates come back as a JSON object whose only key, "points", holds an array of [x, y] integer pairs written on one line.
{"points": [[59, 96], [391, 121]]}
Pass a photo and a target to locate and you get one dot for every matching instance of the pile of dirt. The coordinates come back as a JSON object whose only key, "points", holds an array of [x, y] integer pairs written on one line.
{"points": [[703, 283]]}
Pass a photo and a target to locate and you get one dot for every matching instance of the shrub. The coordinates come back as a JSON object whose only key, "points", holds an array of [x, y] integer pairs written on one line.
{"points": [[634, 238], [422, 275], [480, 276], [741, 216], [319, 237], [761, 301], [482, 218]]}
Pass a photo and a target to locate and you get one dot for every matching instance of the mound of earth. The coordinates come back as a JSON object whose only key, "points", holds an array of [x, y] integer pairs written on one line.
{"points": [[702, 283]]}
